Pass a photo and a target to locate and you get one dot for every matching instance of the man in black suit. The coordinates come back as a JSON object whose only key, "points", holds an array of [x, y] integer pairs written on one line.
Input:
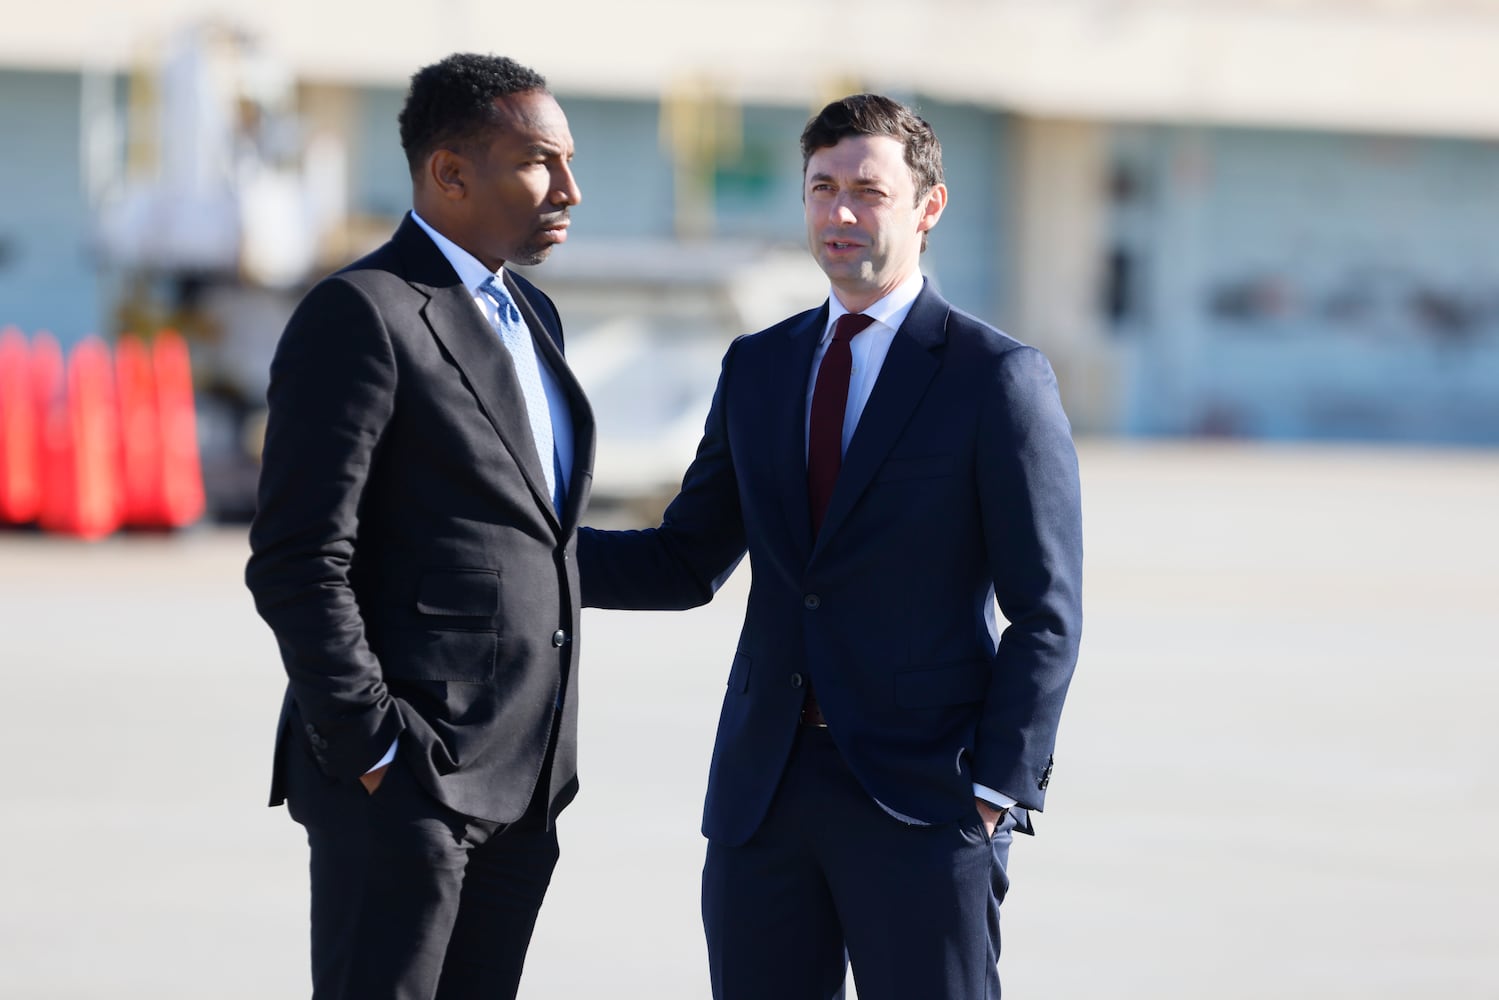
{"points": [[892, 465], [426, 458]]}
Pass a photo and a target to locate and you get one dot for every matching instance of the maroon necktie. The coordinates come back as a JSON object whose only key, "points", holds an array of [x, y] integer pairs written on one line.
{"points": [[829, 400]]}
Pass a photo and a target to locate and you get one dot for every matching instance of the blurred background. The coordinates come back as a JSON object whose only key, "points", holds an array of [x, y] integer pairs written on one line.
{"points": [[1266, 219], [1258, 239]]}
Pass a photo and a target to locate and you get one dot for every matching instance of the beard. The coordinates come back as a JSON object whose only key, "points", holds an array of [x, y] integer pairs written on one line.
{"points": [[532, 253]]}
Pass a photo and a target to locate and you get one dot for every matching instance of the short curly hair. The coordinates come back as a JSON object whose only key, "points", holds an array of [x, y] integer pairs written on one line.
{"points": [[450, 104]]}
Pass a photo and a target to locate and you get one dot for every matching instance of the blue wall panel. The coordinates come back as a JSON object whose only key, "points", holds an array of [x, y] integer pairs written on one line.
{"points": [[1314, 285], [48, 276]]}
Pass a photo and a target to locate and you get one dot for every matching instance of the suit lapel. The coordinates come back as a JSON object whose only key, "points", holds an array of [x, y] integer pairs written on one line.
{"points": [[908, 370], [788, 452], [475, 348], [579, 477]]}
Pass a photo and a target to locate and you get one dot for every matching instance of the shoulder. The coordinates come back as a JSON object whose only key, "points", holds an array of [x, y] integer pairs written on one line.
{"points": [[769, 350], [401, 266], [972, 334], [363, 285], [1017, 388], [793, 324], [998, 354], [783, 333], [386, 257], [349, 307]]}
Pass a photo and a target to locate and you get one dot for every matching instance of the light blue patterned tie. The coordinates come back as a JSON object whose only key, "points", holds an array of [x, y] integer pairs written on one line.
{"points": [[517, 339]]}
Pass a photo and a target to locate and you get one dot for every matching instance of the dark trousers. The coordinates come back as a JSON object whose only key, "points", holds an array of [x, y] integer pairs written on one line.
{"points": [[413, 901], [831, 879]]}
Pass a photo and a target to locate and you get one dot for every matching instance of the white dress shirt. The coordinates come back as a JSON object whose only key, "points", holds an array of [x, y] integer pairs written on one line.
{"points": [[473, 274]]}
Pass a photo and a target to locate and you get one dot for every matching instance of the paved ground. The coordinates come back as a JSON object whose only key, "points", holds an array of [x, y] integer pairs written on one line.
{"points": [[1278, 774]]}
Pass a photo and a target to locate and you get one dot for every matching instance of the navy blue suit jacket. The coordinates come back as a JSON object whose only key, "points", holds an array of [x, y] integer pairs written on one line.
{"points": [[960, 484]]}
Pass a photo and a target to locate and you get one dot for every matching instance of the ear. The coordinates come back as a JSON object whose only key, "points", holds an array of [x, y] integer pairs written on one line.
{"points": [[448, 173], [931, 208]]}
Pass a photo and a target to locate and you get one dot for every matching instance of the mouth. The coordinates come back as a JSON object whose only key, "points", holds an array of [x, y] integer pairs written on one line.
{"points": [[556, 228], [838, 246]]}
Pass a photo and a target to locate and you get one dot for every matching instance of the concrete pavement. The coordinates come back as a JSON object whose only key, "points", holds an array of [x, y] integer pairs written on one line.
{"points": [[1278, 773]]}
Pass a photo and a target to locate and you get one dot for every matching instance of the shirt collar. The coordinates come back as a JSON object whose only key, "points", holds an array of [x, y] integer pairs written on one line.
{"points": [[890, 310], [470, 271]]}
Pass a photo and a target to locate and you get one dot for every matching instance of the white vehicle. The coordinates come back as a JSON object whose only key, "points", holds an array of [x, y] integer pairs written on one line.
{"points": [[647, 326]]}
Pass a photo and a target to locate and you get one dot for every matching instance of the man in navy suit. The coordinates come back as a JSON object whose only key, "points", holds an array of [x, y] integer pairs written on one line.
{"points": [[892, 465]]}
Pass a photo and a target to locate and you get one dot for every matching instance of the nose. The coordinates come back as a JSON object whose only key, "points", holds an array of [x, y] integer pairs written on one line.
{"points": [[840, 212], [565, 190]]}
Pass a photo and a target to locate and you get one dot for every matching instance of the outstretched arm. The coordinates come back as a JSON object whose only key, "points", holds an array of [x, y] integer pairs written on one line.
{"points": [[683, 562]]}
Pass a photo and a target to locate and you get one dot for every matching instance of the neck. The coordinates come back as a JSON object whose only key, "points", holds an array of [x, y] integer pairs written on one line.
{"points": [[856, 300]]}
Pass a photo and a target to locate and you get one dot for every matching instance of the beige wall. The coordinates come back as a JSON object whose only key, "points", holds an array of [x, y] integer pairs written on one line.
{"points": [[1061, 173], [1419, 66]]}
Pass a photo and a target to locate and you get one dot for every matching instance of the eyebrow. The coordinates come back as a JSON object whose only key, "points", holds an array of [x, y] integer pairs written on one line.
{"points": [[864, 180]]}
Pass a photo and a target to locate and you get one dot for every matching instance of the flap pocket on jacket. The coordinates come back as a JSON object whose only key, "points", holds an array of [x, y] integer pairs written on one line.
{"points": [[953, 684], [438, 655], [467, 593], [924, 467], [739, 673]]}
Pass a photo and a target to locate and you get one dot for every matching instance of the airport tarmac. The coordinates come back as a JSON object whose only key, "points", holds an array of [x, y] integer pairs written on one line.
{"points": [[1277, 775]]}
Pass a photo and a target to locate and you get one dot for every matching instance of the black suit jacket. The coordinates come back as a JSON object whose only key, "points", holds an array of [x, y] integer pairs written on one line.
{"points": [[405, 550], [960, 484]]}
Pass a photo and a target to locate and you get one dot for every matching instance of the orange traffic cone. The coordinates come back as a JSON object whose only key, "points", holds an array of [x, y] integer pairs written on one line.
{"points": [[20, 485], [182, 497], [56, 472], [87, 439], [141, 469]]}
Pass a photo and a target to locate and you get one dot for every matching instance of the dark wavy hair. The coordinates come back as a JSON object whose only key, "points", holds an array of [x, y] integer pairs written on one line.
{"points": [[450, 104], [871, 114]]}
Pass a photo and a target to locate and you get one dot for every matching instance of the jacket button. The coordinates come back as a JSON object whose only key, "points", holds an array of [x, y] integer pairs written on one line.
{"points": [[310, 729], [811, 602], [558, 638], [796, 680]]}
